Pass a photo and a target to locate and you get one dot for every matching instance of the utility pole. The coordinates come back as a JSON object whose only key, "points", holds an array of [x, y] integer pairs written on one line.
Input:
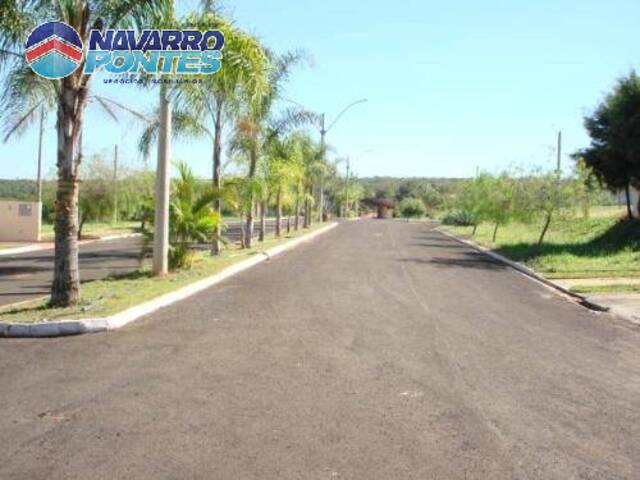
{"points": [[559, 152], [323, 132], [115, 184], [39, 178], [161, 234]]}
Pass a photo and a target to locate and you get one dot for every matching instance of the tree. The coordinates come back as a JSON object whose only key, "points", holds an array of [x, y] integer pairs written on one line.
{"points": [[217, 100], [191, 218], [546, 196], [261, 123], [412, 208], [284, 160], [587, 187], [96, 197], [614, 128], [19, 17], [498, 199]]}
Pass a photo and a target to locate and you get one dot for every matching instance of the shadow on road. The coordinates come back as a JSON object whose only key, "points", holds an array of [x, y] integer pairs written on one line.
{"points": [[467, 260]]}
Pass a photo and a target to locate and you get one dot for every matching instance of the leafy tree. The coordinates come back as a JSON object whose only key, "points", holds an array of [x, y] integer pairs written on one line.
{"points": [[498, 202], [412, 208], [547, 196], [614, 128], [587, 187], [97, 194], [19, 17]]}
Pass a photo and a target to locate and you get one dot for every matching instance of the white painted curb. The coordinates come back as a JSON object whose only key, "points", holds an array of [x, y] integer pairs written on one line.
{"points": [[119, 320], [49, 245]]}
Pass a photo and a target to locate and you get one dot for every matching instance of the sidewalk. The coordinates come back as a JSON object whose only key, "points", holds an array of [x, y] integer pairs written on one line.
{"points": [[623, 304], [626, 304]]}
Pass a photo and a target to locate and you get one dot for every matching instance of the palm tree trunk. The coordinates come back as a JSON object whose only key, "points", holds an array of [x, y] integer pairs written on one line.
{"points": [[243, 243], [627, 192], [216, 245], [289, 223], [263, 220], [307, 208], [249, 222], [297, 220], [65, 289], [279, 213]]}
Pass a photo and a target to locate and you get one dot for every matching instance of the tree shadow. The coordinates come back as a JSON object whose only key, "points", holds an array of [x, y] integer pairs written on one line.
{"points": [[468, 260], [623, 235]]}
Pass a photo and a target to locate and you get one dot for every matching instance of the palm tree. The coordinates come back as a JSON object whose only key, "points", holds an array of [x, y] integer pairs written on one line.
{"points": [[261, 124], [285, 166], [217, 101], [18, 19], [192, 218], [313, 166]]}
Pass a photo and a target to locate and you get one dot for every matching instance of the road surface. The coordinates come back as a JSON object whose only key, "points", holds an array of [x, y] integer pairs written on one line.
{"points": [[381, 350], [28, 275]]}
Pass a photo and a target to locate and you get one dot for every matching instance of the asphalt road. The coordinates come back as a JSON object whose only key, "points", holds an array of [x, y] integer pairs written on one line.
{"points": [[381, 350], [28, 275]]}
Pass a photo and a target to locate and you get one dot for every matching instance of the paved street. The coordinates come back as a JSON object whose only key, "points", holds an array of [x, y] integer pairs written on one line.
{"points": [[28, 275], [381, 350]]}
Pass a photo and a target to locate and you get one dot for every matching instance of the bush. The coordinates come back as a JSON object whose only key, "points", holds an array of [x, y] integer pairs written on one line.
{"points": [[412, 208], [459, 218]]}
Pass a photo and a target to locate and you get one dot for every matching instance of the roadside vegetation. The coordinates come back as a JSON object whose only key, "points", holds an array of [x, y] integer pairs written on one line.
{"points": [[554, 223], [283, 171], [605, 245]]}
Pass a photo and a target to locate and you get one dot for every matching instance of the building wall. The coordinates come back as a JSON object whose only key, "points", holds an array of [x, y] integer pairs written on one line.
{"points": [[20, 221]]}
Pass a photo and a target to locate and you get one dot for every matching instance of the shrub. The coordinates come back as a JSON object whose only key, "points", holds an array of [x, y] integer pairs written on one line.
{"points": [[412, 208], [459, 218]]}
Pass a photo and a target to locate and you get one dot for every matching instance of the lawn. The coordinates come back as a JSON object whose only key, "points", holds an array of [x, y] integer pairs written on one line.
{"points": [[618, 288], [604, 245], [102, 298]]}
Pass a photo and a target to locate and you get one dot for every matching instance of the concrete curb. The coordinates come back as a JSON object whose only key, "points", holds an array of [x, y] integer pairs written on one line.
{"points": [[49, 245], [119, 320], [582, 300]]}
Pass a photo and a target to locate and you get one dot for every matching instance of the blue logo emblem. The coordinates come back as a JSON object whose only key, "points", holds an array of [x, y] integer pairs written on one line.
{"points": [[54, 50]]}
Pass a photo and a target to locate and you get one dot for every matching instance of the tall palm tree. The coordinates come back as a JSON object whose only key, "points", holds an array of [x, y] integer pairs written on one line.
{"points": [[217, 100], [261, 123], [284, 160], [19, 17]]}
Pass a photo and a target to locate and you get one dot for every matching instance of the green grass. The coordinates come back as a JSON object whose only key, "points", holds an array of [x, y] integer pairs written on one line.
{"points": [[619, 288], [102, 298], [605, 245]]}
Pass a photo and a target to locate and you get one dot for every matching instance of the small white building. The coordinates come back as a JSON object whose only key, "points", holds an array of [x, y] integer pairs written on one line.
{"points": [[20, 221]]}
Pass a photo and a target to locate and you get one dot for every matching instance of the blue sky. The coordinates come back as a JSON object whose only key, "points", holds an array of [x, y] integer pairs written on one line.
{"points": [[451, 86]]}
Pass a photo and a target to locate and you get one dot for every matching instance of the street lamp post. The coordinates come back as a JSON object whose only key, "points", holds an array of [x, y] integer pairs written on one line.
{"points": [[323, 133]]}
